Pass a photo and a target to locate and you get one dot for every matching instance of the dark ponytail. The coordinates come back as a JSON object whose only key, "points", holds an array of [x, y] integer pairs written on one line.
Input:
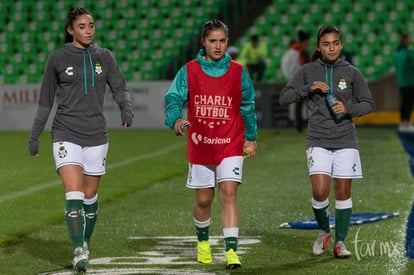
{"points": [[71, 17], [316, 54]]}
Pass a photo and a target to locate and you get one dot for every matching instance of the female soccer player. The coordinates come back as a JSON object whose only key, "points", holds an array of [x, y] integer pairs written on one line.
{"points": [[223, 125], [331, 141], [76, 76]]}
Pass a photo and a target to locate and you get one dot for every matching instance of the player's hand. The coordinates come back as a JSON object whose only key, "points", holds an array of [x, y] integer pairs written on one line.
{"points": [[34, 147], [180, 125], [338, 107], [319, 86], [250, 147], [126, 118]]}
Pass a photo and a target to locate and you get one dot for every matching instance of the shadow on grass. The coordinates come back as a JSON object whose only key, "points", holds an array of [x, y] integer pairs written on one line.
{"points": [[57, 253], [285, 251], [306, 264]]}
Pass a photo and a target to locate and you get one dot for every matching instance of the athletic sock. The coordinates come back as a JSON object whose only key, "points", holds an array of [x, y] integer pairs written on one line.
{"points": [[321, 212], [202, 229], [75, 217], [342, 219], [231, 236], [91, 207]]}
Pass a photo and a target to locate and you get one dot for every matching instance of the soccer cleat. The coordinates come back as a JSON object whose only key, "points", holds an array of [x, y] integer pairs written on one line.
{"points": [[80, 261], [86, 248], [232, 259], [319, 246], [340, 251], [204, 252]]}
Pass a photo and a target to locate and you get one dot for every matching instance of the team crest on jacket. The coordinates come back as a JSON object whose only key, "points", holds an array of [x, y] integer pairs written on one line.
{"points": [[98, 69], [342, 83]]}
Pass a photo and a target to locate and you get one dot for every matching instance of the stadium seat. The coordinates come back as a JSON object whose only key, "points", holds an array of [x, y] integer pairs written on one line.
{"points": [[157, 30]]}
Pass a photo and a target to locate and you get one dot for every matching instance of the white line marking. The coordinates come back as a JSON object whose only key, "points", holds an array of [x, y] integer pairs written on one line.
{"points": [[125, 162], [134, 271], [29, 191], [161, 258], [146, 156]]}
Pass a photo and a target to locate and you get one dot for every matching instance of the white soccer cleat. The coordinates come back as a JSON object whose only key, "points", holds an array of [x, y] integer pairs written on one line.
{"points": [[86, 248], [319, 246], [340, 251], [80, 261]]}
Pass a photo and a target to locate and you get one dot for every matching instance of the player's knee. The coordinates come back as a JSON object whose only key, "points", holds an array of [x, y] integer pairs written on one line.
{"points": [[320, 196], [204, 203]]}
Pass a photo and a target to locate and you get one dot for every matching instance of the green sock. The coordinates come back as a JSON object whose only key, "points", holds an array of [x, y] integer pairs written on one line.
{"points": [[230, 243], [342, 219], [91, 214], [75, 221], [322, 217], [202, 233]]}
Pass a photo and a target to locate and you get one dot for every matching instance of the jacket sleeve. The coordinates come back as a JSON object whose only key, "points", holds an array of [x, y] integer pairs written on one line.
{"points": [[363, 102], [294, 90], [117, 83], [247, 108], [46, 100], [176, 97]]}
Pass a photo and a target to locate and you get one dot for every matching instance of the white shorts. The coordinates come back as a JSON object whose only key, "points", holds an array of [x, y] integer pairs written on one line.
{"points": [[336, 163], [204, 176], [90, 158]]}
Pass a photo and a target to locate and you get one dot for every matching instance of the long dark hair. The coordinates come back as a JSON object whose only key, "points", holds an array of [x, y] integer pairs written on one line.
{"points": [[70, 18], [210, 25], [321, 32]]}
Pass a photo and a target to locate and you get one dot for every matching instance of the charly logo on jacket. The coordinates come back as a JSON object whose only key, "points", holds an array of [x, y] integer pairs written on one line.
{"points": [[342, 83], [69, 71], [98, 69], [197, 138]]}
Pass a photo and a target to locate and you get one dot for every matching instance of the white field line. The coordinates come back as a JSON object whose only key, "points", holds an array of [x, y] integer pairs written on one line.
{"points": [[121, 163]]}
